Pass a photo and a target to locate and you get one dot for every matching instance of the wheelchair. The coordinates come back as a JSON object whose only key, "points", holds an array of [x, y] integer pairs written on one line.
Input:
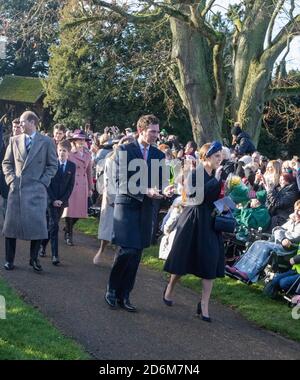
{"points": [[279, 263], [237, 243], [288, 295]]}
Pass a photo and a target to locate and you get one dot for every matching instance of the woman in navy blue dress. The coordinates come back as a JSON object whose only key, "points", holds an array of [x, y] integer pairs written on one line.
{"points": [[197, 248]]}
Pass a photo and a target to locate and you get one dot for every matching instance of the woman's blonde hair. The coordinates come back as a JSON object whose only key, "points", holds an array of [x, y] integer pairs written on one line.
{"points": [[103, 138], [297, 205], [276, 165], [203, 150]]}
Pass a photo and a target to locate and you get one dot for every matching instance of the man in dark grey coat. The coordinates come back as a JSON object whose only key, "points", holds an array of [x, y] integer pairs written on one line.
{"points": [[241, 141], [132, 226], [29, 164]]}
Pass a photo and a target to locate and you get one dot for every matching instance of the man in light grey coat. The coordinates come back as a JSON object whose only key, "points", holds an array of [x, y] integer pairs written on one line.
{"points": [[29, 164]]}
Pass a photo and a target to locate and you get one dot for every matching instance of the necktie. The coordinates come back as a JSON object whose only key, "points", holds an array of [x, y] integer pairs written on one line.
{"points": [[62, 167], [145, 153], [28, 144]]}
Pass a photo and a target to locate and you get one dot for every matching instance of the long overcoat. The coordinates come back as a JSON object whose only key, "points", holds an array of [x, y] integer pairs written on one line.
{"points": [[78, 201], [197, 248], [3, 186], [132, 226], [28, 176]]}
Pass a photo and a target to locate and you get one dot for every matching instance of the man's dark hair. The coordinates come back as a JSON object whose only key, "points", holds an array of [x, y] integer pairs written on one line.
{"points": [[60, 127], [16, 121], [147, 120], [236, 130]]}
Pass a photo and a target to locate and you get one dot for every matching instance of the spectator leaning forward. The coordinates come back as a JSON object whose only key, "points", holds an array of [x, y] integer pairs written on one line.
{"points": [[241, 141]]}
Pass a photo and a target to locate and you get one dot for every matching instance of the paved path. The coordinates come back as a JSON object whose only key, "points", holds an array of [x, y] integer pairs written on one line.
{"points": [[71, 296]]}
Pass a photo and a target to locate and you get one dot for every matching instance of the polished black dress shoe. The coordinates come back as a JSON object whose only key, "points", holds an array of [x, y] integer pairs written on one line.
{"points": [[55, 260], [9, 266], [36, 265], [167, 302], [110, 298], [126, 305], [199, 313]]}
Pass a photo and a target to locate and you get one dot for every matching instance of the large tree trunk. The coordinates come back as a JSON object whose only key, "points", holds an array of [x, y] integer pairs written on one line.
{"points": [[249, 113], [248, 48], [193, 78]]}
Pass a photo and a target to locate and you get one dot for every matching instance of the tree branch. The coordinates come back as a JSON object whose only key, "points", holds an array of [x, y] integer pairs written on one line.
{"points": [[285, 92], [287, 50], [80, 21], [134, 18], [291, 29], [195, 21], [207, 8], [292, 9], [272, 22], [170, 11]]}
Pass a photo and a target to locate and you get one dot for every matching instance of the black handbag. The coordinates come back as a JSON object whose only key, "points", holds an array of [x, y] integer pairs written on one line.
{"points": [[225, 222]]}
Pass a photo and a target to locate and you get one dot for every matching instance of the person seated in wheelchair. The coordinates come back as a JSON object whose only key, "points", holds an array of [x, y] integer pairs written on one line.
{"points": [[288, 281], [284, 240], [254, 215]]}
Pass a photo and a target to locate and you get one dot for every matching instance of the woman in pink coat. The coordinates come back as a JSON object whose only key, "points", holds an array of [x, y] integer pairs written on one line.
{"points": [[78, 201]]}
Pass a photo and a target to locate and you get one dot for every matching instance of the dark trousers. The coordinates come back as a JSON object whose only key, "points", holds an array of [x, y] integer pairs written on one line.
{"points": [[10, 249], [54, 215], [124, 270], [286, 280], [69, 224]]}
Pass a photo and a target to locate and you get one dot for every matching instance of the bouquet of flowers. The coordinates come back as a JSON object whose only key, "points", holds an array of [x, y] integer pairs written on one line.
{"points": [[236, 189]]}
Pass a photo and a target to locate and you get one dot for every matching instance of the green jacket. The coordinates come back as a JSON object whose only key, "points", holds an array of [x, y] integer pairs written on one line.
{"points": [[253, 217]]}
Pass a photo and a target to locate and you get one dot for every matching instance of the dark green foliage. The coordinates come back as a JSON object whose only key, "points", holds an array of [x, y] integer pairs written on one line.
{"points": [[111, 72], [29, 36]]}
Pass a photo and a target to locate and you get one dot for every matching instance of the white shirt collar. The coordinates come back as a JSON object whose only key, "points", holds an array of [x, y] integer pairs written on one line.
{"points": [[31, 136], [142, 147]]}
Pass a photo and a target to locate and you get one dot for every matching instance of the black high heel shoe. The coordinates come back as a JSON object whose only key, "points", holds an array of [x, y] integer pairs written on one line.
{"points": [[199, 313], [167, 302]]}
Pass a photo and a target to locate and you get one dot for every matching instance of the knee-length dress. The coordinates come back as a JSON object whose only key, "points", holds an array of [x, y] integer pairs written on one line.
{"points": [[197, 248], [105, 228], [78, 201]]}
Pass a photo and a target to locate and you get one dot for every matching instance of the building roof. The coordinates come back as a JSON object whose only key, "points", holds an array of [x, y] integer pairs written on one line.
{"points": [[21, 89]]}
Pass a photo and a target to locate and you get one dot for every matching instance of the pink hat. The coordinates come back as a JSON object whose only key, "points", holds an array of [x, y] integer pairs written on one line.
{"points": [[79, 135]]}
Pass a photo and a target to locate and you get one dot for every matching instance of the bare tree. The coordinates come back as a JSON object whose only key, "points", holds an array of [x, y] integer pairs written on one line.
{"points": [[200, 67]]}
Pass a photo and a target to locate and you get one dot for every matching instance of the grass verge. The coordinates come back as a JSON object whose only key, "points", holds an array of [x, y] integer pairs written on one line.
{"points": [[26, 334], [249, 301]]}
